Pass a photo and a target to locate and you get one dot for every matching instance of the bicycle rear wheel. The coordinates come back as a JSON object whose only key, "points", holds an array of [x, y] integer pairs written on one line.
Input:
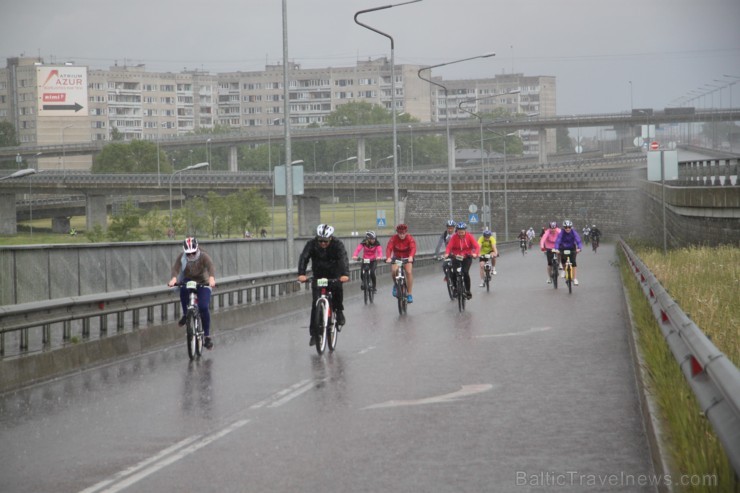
{"points": [[320, 322], [365, 287], [370, 291], [555, 275], [450, 286], [401, 294], [460, 293]]}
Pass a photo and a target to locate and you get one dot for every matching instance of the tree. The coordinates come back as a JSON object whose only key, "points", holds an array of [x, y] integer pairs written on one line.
{"points": [[125, 226], [155, 224], [138, 156], [7, 135], [563, 141], [249, 210]]}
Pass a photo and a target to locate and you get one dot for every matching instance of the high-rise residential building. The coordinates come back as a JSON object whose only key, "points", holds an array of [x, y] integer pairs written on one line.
{"points": [[140, 104]]}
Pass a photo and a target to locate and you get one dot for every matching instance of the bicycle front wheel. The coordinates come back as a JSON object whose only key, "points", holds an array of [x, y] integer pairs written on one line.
{"points": [[321, 323], [365, 288], [402, 297], [460, 294], [191, 324], [332, 334]]}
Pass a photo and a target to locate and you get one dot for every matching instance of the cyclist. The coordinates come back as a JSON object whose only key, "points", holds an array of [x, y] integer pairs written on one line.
{"points": [[328, 259], [547, 243], [402, 245], [568, 239], [530, 236], [595, 236], [463, 243], [523, 239], [486, 245], [443, 240], [370, 249], [195, 265], [586, 233]]}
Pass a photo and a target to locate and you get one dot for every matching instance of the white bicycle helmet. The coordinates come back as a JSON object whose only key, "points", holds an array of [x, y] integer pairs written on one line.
{"points": [[190, 245], [370, 235], [567, 223], [324, 231]]}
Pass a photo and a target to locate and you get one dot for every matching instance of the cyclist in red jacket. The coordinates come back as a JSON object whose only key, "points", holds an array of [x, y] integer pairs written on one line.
{"points": [[463, 244], [402, 246]]}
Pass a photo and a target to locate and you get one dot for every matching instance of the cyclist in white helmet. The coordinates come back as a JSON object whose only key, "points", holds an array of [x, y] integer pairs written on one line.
{"points": [[328, 259]]}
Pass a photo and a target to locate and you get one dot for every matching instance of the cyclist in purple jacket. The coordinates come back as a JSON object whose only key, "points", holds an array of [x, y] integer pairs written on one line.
{"points": [[568, 239]]}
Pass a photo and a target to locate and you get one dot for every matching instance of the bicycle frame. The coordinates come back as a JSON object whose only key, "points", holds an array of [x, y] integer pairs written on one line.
{"points": [[487, 268], [326, 316], [366, 281], [555, 267], [568, 270], [459, 282], [401, 286], [193, 322], [447, 268]]}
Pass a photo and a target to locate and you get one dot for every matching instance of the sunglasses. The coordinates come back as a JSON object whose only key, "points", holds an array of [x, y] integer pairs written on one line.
{"points": [[567, 227]]}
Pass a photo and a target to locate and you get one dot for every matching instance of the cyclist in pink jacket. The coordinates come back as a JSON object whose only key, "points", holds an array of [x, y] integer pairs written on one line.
{"points": [[547, 243], [369, 248]]}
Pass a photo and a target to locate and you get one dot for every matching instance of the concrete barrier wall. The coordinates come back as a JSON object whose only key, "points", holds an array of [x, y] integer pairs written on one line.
{"points": [[43, 272]]}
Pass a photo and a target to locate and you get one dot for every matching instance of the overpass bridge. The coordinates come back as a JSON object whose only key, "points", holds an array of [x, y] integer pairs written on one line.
{"points": [[362, 132]]}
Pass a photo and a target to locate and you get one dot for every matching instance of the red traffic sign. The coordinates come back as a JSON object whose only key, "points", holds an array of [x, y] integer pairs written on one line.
{"points": [[654, 146]]}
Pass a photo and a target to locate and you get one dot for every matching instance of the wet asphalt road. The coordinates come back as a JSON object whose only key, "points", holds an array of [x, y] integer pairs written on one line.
{"points": [[529, 389]]}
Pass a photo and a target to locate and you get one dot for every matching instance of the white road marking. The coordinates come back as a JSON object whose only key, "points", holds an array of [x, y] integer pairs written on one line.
{"points": [[293, 394], [465, 391], [522, 333], [168, 456], [279, 395], [367, 349]]}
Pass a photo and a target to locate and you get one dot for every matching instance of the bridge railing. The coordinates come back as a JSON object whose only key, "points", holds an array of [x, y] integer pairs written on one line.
{"points": [[714, 379]]}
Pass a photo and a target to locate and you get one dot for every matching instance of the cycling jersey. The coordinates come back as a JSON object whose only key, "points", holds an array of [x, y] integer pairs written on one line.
{"points": [[547, 241], [462, 246], [568, 241], [486, 245], [401, 248], [372, 252]]}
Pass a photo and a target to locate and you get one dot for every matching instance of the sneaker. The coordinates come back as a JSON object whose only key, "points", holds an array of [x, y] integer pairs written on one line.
{"points": [[394, 291], [207, 343], [312, 342], [468, 294], [562, 274], [181, 322], [409, 299], [340, 317], [575, 281], [549, 281], [482, 284], [494, 272]]}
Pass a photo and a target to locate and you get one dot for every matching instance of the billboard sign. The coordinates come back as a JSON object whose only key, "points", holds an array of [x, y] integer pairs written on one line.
{"points": [[62, 91]]}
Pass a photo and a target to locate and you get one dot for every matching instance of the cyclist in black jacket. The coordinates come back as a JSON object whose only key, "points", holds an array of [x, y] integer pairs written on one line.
{"points": [[328, 259]]}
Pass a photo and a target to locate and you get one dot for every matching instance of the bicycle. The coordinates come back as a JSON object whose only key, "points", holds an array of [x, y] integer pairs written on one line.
{"points": [[459, 282], [523, 247], [487, 269], [325, 319], [401, 286], [193, 323], [554, 269], [449, 278], [369, 292], [595, 243], [568, 271]]}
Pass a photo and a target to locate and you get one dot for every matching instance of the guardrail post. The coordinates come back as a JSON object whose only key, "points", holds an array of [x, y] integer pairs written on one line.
{"points": [[86, 328], [103, 321], [24, 339], [119, 321], [150, 314], [66, 330], [46, 335], [135, 322]]}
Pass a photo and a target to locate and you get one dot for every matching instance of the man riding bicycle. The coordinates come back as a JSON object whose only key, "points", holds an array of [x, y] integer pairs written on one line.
{"points": [[463, 244], [328, 260], [371, 250], [568, 239], [195, 265], [595, 236], [443, 240], [487, 244], [402, 246], [547, 243]]}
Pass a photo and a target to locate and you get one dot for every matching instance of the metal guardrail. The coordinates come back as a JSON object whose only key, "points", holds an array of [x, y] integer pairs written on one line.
{"points": [[86, 311], [714, 379]]}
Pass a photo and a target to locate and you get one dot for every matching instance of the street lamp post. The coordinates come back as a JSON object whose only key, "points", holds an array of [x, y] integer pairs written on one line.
{"points": [[393, 96], [411, 129], [191, 167], [450, 151], [208, 153], [64, 153], [506, 190], [482, 160], [354, 196], [333, 182]]}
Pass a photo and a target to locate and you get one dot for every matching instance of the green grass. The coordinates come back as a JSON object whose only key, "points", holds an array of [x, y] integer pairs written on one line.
{"points": [[711, 276], [342, 216]]}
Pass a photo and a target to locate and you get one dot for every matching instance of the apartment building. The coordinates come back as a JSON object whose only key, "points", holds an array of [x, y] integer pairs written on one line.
{"points": [[140, 104]]}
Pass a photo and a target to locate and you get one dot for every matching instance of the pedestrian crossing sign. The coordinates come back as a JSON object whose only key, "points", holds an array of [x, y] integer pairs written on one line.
{"points": [[473, 218], [381, 222]]}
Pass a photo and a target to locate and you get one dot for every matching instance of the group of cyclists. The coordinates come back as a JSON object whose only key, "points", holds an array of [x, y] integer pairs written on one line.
{"points": [[329, 259]]}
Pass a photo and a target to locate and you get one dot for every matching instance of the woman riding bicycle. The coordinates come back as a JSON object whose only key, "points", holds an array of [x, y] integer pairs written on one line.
{"points": [[328, 260], [443, 240], [402, 246], [547, 243], [568, 239], [463, 244], [195, 265], [371, 250], [487, 244]]}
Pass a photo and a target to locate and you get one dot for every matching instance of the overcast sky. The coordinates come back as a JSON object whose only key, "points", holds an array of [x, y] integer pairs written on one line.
{"points": [[667, 48]]}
